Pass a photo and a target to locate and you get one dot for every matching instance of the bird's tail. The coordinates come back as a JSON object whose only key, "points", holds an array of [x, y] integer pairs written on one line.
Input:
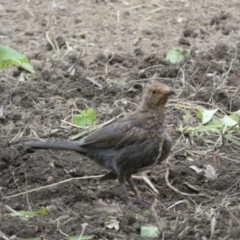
{"points": [[61, 145]]}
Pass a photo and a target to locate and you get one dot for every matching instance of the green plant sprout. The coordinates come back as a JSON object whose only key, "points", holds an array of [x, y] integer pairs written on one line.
{"points": [[11, 57]]}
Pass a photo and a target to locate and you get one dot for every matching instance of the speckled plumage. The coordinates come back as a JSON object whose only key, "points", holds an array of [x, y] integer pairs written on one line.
{"points": [[130, 144]]}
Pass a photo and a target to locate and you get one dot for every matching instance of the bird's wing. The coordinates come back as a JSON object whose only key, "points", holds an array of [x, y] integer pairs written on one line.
{"points": [[123, 132]]}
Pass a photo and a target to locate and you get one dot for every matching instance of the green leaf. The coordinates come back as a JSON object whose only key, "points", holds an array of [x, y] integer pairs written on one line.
{"points": [[85, 237], [11, 57], [149, 231], [175, 55], [28, 67], [207, 129], [147, 213], [208, 214], [199, 114], [187, 117], [88, 117], [234, 140], [236, 113], [207, 115], [41, 211], [9, 54], [116, 81], [84, 132], [228, 121], [235, 117], [214, 124]]}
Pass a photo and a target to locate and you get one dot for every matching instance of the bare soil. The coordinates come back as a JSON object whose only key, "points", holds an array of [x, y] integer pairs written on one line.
{"points": [[117, 40]]}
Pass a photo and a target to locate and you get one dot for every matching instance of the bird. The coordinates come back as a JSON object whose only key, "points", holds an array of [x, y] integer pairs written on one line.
{"points": [[130, 145]]}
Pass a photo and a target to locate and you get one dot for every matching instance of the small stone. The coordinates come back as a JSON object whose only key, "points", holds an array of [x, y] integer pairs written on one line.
{"points": [[29, 33], [155, 44], [184, 41], [138, 52], [43, 22], [78, 20], [147, 32], [46, 75], [91, 194], [187, 32]]}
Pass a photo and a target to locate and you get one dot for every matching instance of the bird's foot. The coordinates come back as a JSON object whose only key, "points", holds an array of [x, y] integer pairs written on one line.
{"points": [[133, 207], [138, 204], [142, 201]]}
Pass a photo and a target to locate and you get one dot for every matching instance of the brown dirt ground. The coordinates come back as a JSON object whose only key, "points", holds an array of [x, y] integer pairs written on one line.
{"points": [[117, 40]]}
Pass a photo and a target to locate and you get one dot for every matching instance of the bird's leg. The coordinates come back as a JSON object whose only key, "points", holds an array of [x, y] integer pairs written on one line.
{"points": [[137, 196], [129, 202], [122, 185], [121, 179]]}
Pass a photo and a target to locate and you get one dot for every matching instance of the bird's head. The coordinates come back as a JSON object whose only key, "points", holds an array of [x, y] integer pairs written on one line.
{"points": [[155, 95]]}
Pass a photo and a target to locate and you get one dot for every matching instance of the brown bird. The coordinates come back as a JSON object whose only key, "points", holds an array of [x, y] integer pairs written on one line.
{"points": [[129, 145]]}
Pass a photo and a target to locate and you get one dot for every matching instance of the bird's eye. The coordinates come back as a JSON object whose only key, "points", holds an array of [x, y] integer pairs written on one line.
{"points": [[153, 91]]}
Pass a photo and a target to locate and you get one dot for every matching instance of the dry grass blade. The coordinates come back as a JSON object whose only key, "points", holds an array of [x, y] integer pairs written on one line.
{"points": [[71, 70], [3, 236], [176, 190], [147, 180], [52, 185], [159, 221], [176, 203], [235, 218], [95, 83], [213, 222]]}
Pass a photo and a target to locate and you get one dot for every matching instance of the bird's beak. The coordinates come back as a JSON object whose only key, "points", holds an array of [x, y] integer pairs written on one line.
{"points": [[171, 92]]}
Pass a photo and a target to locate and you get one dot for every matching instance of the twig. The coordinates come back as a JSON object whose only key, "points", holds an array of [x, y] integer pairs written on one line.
{"points": [[176, 203], [147, 180], [71, 69], [234, 217], [8, 208], [141, 72], [79, 178], [160, 224], [175, 189], [225, 75], [97, 126], [51, 185], [156, 10], [50, 42], [152, 78], [84, 226], [27, 196], [183, 78], [95, 83], [3, 236]]}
